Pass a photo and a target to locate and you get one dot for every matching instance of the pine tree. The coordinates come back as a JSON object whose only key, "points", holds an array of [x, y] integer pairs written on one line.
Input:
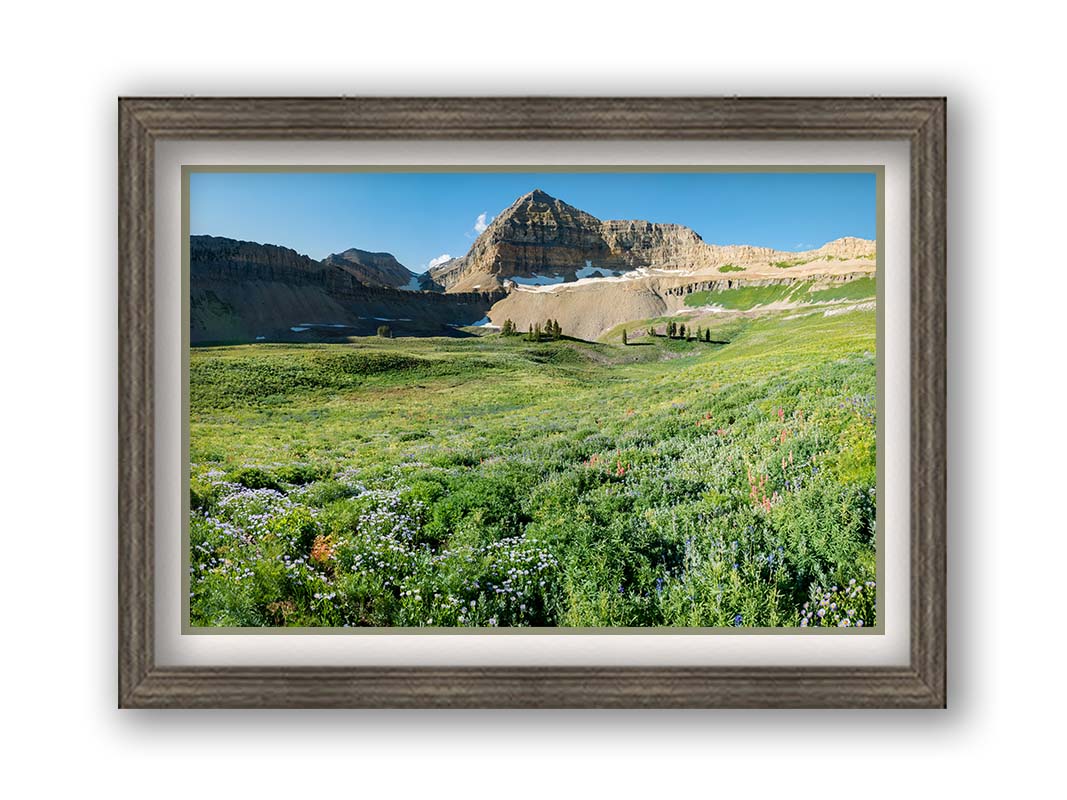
{"points": [[651, 331], [384, 332], [707, 334], [671, 330], [624, 336], [681, 331]]}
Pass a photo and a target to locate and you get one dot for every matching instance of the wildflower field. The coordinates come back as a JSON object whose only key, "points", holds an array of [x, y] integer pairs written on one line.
{"points": [[492, 481]]}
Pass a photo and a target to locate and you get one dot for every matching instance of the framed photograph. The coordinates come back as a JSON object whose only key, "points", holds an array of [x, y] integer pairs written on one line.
{"points": [[532, 402]]}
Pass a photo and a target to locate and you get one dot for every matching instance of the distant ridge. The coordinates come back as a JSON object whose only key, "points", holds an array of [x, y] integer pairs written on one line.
{"points": [[374, 269], [246, 291]]}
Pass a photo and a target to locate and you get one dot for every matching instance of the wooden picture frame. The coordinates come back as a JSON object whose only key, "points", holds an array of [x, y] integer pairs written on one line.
{"points": [[142, 683]]}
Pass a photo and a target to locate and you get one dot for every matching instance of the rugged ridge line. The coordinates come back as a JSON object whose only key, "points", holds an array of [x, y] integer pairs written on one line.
{"points": [[241, 291]]}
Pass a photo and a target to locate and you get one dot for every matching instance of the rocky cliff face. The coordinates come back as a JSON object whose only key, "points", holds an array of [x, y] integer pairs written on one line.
{"points": [[536, 235], [374, 269], [233, 259], [636, 243], [540, 239]]}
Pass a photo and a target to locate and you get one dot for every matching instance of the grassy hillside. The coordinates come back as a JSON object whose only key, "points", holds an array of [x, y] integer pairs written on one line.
{"points": [[492, 481], [857, 289], [745, 298]]}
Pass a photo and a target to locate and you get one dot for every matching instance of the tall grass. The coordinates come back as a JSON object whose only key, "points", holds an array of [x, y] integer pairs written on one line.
{"points": [[492, 482]]}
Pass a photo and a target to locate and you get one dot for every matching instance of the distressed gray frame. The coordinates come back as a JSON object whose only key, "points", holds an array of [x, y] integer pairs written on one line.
{"points": [[144, 684]]}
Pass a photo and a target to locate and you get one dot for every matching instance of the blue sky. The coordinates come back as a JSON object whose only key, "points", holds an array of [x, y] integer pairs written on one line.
{"points": [[419, 217]]}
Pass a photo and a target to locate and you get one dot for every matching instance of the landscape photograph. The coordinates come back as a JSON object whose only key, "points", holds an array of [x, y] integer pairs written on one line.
{"points": [[522, 398]]}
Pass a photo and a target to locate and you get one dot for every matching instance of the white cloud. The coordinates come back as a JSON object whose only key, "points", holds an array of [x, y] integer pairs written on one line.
{"points": [[482, 223], [441, 259]]}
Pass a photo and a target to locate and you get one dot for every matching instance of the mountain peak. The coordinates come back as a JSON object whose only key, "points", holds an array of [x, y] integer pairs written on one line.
{"points": [[536, 204], [370, 268], [539, 197]]}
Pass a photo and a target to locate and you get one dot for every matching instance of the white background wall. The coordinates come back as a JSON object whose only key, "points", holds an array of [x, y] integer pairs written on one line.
{"points": [[62, 70]]}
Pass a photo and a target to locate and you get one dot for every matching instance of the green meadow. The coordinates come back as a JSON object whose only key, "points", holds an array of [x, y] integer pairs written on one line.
{"points": [[493, 481], [745, 298]]}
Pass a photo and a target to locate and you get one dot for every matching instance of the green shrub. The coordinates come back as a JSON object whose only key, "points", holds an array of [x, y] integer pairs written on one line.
{"points": [[256, 478]]}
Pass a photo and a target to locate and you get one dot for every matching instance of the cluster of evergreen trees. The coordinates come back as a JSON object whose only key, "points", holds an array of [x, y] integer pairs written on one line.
{"points": [[679, 331], [550, 331]]}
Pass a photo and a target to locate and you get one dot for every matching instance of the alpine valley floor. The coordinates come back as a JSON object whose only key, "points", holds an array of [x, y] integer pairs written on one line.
{"points": [[494, 481]]}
